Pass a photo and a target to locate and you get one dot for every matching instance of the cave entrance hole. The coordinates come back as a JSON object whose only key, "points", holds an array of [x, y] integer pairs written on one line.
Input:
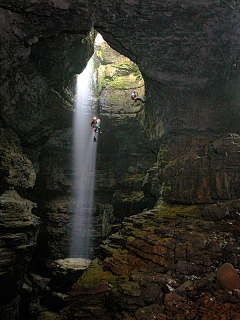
{"points": [[104, 88]]}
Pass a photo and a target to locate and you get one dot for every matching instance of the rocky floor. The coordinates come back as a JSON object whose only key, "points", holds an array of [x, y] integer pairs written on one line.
{"points": [[163, 264]]}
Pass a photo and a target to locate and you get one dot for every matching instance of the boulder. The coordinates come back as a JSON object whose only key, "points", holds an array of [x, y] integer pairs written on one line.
{"points": [[228, 277]]}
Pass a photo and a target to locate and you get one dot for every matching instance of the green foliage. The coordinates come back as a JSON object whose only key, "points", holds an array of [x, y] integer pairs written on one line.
{"points": [[89, 40], [127, 65], [119, 83], [99, 54]]}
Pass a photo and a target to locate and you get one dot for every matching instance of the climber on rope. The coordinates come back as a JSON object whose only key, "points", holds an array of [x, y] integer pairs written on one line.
{"points": [[135, 97], [96, 128]]}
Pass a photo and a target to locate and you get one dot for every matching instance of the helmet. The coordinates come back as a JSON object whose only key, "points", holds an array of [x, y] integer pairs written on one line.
{"points": [[94, 118]]}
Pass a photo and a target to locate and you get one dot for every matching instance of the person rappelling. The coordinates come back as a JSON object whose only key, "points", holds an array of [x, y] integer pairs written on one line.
{"points": [[135, 97], [96, 128]]}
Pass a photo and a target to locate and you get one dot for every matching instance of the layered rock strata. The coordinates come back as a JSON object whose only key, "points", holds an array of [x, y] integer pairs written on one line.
{"points": [[46, 294], [19, 231], [196, 169], [188, 54], [163, 264]]}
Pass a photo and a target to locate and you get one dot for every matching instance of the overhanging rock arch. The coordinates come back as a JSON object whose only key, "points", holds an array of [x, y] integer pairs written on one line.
{"points": [[188, 55]]}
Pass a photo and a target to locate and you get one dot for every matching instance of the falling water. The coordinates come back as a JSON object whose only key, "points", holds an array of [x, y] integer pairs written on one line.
{"points": [[84, 168]]}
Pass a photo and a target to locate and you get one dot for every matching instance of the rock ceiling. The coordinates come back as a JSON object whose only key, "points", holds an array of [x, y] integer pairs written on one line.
{"points": [[189, 49]]}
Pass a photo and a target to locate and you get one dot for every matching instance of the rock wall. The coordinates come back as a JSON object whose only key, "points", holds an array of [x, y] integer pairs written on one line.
{"points": [[187, 52], [19, 227], [165, 263], [36, 100], [124, 153], [197, 168]]}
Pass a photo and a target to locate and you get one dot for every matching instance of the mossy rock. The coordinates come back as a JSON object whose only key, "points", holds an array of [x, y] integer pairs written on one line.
{"points": [[48, 315], [95, 275], [16, 168]]}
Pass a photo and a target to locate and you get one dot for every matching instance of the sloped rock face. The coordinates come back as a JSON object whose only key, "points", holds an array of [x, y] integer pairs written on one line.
{"points": [[163, 264]]}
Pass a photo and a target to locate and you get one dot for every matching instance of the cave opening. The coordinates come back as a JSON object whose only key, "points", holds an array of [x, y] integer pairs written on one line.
{"points": [[188, 53], [103, 89]]}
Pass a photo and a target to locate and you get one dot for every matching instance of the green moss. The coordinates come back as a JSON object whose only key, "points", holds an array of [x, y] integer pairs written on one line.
{"points": [[111, 97], [102, 78], [174, 211], [89, 40], [135, 196], [65, 313], [174, 163], [129, 66], [117, 82], [162, 155], [8, 152], [134, 177], [47, 315], [95, 275], [99, 54]]}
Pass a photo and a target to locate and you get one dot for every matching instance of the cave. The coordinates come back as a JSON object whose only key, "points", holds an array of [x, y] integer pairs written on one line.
{"points": [[166, 207]]}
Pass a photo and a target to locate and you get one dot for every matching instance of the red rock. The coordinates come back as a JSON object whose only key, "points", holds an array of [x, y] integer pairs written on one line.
{"points": [[228, 277]]}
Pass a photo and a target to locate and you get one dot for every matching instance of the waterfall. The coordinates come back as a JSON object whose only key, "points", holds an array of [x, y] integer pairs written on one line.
{"points": [[84, 160]]}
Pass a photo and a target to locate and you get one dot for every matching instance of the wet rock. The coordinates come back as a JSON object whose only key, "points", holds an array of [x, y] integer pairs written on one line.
{"points": [[172, 298], [206, 281], [55, 301], [19, 231], [152, 294], [53, 239], [65, 272], [228, 277], [48, 315], [40, 293], [189, 177], [107, 220], [186, 286], [11, 310], [234, 206], [201, 175], [17, 170], [130, 289], [216, 212], [130, 279], [227, 144], [150, 313], [226, 296], [151, 185]]}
